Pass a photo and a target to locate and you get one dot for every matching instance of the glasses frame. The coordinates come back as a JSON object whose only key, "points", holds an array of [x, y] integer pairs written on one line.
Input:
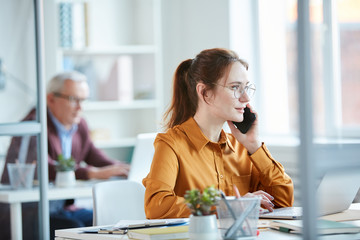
{"points": [[241, 90], [74, 101]]}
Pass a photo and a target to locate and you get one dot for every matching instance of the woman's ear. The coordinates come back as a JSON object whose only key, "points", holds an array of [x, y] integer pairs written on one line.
{"points": [[203, 92]]}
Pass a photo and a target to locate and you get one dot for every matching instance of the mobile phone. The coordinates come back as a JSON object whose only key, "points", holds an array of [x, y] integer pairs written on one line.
{"points": [[249, 119]]}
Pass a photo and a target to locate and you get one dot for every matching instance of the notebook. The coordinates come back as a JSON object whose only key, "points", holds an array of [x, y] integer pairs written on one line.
{"points": [[160, 233], [335, 194], [124, 226], [324, 226]]}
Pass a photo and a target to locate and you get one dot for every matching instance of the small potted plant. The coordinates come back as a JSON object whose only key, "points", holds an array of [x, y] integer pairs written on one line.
{"points": [[65, 175], [203, 223]]}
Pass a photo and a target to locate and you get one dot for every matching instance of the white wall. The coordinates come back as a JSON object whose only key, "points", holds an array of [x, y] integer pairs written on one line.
{"points": [[188, 27], [17, 53]]}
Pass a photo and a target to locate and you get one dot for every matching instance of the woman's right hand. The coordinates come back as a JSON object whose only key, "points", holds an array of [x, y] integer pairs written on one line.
{"points": [[265, 199]]}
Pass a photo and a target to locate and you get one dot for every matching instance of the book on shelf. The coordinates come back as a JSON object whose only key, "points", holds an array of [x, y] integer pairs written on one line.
{"points": [[324, 226], [118, 85], [73, 25], [159, 233]]}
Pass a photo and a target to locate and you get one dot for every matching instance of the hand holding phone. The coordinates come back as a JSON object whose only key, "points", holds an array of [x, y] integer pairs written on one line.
{"points": [[249, 119]]}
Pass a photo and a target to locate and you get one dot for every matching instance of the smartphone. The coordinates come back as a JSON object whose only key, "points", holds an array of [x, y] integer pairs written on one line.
{"points": [[249, 119]]}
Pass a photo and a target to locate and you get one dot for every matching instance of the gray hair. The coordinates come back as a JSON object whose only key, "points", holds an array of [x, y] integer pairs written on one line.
{"points": [[57, 82]]}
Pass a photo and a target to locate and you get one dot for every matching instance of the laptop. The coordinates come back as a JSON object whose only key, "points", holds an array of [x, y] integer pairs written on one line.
{"points": [[335, 193], [142, 157]]}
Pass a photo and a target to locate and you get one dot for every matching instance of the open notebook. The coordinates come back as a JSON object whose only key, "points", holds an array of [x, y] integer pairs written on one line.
{"points": [[335, 194]]}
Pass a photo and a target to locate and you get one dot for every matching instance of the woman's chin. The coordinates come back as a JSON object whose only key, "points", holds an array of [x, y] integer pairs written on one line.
{"points": [[239, 119]]}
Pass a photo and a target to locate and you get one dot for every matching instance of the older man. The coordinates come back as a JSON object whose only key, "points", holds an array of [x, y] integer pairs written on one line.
{"points": [[68, 134]]}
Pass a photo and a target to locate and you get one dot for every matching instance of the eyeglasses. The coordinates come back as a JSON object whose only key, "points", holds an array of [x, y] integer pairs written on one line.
{"points": [[238, 90], [74, 101]]}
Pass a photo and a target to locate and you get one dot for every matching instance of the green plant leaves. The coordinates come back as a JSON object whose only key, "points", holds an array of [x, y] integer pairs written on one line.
{"points": [[65, 164], [202, 204]]}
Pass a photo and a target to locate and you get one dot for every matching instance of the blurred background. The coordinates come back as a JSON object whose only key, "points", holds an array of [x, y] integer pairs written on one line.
{"points": [[129, 50]]}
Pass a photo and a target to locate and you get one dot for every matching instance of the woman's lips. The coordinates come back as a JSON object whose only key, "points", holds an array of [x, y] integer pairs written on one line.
{"points": [[241, 110]]}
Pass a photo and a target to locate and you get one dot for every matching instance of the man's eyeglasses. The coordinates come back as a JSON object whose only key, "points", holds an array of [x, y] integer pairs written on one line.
{"points": [[74, 101], [239, 90]]}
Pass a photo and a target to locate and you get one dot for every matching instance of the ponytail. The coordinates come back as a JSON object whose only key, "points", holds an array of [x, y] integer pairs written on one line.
{"points": [[183, 105]]}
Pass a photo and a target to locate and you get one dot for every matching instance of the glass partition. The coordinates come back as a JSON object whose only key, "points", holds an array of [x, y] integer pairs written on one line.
{"points": [[18, 88], [22, 88], [307, 92]]}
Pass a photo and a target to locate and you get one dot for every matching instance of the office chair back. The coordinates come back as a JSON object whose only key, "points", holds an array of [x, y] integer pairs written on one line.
{"points": [[117, 200], [142, 156]]}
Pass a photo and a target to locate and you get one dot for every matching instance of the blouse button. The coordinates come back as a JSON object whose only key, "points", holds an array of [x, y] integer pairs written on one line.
{"points": [[221, 176]]}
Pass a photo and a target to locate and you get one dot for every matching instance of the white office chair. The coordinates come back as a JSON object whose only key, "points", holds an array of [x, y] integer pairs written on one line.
{"points": [[118, 200], [142, 156]]}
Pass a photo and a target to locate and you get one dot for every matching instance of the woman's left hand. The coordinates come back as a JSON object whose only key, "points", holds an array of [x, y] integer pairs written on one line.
{"points": [[250, 140]]}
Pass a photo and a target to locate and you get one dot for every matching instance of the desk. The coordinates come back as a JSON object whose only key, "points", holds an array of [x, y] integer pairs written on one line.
{"points": [[75, 234], [269, 234], [83, 189]]}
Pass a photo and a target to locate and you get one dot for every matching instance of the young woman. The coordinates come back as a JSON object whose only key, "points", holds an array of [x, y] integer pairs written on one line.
{"points": [[209, 90]]}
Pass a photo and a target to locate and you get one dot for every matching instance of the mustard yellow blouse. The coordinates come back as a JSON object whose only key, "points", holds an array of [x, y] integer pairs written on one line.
{"points": [[185, 159]]}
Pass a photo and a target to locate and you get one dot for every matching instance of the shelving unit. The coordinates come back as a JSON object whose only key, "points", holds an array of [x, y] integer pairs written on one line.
{"points": [[120, 52]]}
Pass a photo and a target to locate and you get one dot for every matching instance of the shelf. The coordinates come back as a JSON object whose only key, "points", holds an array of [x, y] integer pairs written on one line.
{"points": [[126, 49], [115, 143], [118, 105], [116, 44]]}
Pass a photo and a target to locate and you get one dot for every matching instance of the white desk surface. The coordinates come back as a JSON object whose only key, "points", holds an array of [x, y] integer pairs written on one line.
{"points": [[76, 234], [265, 234], [82, 189]]}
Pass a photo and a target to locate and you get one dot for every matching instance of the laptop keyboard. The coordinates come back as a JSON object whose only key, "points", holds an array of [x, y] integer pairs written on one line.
{"points": [[288, 213]]}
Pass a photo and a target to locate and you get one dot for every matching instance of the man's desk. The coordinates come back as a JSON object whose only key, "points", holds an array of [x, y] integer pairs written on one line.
{"points": [[14, 198]]}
